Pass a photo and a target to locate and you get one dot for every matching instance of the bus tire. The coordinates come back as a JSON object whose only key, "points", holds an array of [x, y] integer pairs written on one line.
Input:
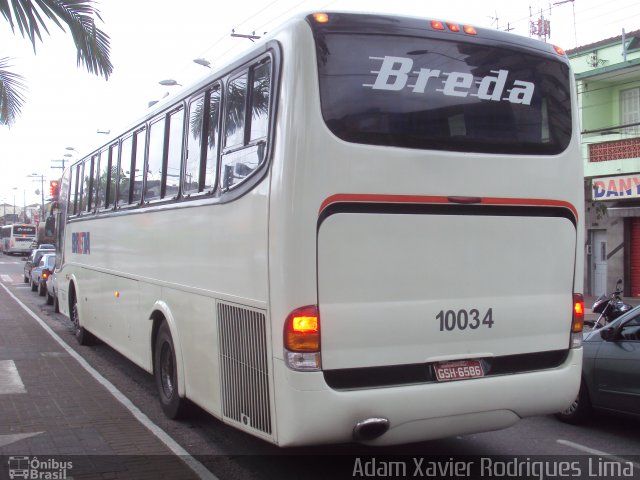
{"points": [[83, 336], [166, 375], [579, 410]]}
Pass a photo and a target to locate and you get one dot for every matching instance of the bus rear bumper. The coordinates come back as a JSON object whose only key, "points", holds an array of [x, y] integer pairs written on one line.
{"points": [[309, 412]]}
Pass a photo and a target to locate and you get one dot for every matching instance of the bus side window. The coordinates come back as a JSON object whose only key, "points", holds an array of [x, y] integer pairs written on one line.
{"points": [[126, 163], [201, 163], [174, 154], [111, 178], [137, 165], [99, 182], [211, 165], [82, 188], [154, 160], [197, 112], [245, 141], [73, 188]]}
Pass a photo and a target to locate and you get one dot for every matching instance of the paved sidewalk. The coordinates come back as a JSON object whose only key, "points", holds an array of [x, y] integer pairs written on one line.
{"points": [[52, 412]]}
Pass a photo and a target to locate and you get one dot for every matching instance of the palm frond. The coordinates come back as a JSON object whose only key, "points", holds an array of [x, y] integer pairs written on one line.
{"points": [[30, 17], [12, 88]]}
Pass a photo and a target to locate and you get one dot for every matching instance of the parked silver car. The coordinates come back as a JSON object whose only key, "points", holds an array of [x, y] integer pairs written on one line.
{"points": [[52, 292], [40, 274]]}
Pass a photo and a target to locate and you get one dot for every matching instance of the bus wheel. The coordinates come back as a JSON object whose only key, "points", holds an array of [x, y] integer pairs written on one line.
{"points": [[82, 335], [579, 410], [166, 374]]}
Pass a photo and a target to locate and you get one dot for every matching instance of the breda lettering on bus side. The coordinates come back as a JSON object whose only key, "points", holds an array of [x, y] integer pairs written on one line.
{"points": [[81, 243], [394, 76]]}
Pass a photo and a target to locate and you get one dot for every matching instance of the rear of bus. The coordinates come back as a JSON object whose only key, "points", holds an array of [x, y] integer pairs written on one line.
{"points": [[20, 239], [425, 222]]}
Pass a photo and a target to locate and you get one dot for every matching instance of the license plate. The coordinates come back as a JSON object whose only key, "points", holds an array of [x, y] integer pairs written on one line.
{"points": [[459, 370]]}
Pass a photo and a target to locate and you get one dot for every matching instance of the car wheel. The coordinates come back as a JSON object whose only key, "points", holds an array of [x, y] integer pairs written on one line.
{"points": [[42, 289], [26, 279], [82, 335], [49, 298], [34, 286], [166, 375], [580, 408]]}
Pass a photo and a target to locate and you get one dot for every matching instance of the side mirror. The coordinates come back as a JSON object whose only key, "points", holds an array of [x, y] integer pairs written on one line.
{"points": [[608, 334]]}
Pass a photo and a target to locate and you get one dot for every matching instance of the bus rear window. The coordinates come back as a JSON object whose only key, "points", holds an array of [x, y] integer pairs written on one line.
{"points": [[427, 93], [24, 230]]}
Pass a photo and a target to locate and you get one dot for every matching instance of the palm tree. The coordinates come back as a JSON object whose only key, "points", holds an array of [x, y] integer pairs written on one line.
{"points": [[29, 17]]}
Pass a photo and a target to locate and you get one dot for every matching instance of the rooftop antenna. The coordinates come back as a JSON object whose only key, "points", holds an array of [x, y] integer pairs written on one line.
{"points": [[540, 26]]}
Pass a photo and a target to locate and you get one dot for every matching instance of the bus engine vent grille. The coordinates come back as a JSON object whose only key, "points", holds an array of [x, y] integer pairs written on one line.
{"points": [[244, 366]]}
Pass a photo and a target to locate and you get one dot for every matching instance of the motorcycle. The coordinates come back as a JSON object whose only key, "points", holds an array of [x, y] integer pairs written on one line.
{"points": [[609, 307]]}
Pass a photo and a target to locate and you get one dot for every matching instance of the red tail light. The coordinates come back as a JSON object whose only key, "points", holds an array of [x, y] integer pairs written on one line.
{"points": [[302, 330], [302, 339], [578, 313]]}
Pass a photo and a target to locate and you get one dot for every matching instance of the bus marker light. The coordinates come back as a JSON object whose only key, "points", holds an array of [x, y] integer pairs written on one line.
{"points": [[116, 294], [321, 17], [469, 30], [437, 25], [559, 50], [453, 27]]}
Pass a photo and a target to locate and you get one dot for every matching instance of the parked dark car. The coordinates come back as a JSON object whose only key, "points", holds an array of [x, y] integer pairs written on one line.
{"points": [[610, 370], [33, 260], [40, 274]]}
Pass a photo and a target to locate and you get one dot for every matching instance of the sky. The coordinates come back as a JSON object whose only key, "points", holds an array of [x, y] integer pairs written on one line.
{"points": [[153, 40]]}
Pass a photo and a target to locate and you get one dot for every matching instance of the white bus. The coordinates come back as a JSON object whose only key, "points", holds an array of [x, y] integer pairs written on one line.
{"points": [[368, 228], [17, 238]]}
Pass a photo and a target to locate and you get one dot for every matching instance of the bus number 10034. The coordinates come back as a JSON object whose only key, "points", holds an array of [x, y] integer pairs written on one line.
{"points": [[462, 319]]}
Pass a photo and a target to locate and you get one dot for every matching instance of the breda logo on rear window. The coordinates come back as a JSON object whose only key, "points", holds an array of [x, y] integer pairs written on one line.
{"points": [[394, 76]]}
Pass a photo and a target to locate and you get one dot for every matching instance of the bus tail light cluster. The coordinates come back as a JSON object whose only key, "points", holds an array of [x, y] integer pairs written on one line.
{"points": [[302, 339], [453, 27], [578, 320]]}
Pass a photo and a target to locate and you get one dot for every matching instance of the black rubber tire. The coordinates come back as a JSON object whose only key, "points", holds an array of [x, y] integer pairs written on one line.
{"points": [[34, 286], [83, 336], [49, 298], [56, 305], [166, 375], [42, 289], [579, 410]]}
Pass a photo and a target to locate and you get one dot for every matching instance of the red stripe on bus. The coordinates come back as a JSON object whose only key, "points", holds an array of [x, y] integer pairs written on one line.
{"points": [[426, 199]]}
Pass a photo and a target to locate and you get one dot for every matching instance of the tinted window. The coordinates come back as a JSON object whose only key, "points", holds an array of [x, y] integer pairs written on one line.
{"points": [[194, 145], [174, 153], [137, 165], [154, 165], [125, 170], [260, 101], [112, 176], [234, 120], [443, 95], [211, 166], [245, 142]]}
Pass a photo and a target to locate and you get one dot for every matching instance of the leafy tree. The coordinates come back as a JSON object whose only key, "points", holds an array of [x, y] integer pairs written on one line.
{"points": [[30, 18]]}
